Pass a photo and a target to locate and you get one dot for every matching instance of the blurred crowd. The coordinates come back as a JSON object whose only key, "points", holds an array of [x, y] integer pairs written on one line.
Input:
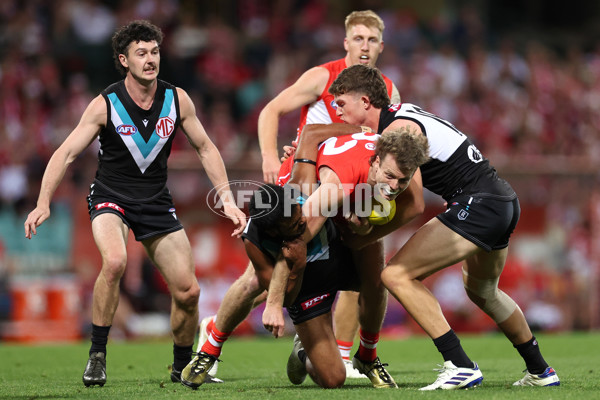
{"points": [[521, 101]]}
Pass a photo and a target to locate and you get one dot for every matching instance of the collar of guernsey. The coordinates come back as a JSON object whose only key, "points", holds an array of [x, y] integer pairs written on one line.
{"points": [[144, 153]]}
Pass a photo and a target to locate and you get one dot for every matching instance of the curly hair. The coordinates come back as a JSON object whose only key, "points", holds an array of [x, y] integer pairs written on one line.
{"points": [[136, 31], [367, 18], [362, 79], [409, 148]]}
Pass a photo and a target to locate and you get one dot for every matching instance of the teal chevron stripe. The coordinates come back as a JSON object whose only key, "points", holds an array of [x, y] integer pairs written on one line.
{"points": [[144, 147]]}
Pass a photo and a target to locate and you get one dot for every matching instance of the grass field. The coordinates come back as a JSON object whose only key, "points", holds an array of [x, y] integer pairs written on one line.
{"points": [[255, 369]]}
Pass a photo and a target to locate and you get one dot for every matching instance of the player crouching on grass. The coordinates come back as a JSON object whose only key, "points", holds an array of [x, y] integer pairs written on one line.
{"points": [[345, 165], [312, 274], [328, 269]]}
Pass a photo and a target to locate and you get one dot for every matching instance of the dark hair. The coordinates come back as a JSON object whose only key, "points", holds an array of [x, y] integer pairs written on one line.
{"points": [[136, 31], [362, 79], [409, 148], [270, 204]]}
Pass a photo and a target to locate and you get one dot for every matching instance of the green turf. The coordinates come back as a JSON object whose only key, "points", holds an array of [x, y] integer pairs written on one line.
{"points": [[255, 369]]}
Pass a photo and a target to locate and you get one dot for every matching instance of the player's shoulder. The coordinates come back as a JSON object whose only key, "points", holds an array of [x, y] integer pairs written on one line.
{"points": [[317, 73], [181, 93], [337, 65], [114, 87], [98, 105], [186, 104], [325, 70]]}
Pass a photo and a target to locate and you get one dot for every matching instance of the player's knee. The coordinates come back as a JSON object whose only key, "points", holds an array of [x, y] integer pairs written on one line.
{"points": [[491, 300], [187, 298], [393, 276], [113, 266], [333, 379], [475, 298]]}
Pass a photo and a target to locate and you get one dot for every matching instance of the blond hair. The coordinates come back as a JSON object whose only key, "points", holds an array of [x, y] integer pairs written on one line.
{"points": [[367, 18]]}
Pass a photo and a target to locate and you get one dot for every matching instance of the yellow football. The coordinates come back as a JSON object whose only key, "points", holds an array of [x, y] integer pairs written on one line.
{"points": [[383, 212]]}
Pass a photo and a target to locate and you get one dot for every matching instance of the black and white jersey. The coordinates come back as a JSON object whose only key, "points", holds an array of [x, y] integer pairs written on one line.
{"points": [[456, 165], [316, 250], [136, 143]]}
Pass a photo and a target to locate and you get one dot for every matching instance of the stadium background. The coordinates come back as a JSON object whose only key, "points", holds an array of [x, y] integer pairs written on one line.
{"points": [[522, 78]]}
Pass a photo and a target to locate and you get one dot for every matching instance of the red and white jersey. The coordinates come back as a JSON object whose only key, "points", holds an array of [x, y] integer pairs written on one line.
{"points": [[322, 110], [348, 156]]}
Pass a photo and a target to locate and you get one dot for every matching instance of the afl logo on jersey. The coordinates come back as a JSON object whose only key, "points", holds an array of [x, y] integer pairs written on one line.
{"points": [[394, 107], [474, 154], [370, 146], [333, 104], [164, 127], [126, 129]]}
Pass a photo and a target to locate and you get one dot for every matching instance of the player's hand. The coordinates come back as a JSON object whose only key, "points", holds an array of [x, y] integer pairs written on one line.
{"points": [[35, 219], [358, 225], [237, 216], [289, 151], [273, 320], [270, 168]]}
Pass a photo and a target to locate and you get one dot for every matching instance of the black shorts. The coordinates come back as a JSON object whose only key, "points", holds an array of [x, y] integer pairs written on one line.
{"points": [[145, 217], [488, 221], [321, 282]]}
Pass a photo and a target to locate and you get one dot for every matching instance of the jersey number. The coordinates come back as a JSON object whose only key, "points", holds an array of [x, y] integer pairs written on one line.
{"points": [[424, 113], [330, 147]]}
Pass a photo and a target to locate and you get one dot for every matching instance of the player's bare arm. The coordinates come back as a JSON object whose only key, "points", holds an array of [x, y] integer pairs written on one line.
{"points": [[287, 278], [294, 256], [328, 196], [92, 120], [272, 317], [403, 124], [317, 133], [211, 160], [273, 277], [305, 90], [282, 279]]}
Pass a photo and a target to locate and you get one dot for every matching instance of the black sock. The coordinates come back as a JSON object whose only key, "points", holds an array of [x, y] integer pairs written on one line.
{"points": [[99, 339], [530, 351], [182, 355], [449, 345]]}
